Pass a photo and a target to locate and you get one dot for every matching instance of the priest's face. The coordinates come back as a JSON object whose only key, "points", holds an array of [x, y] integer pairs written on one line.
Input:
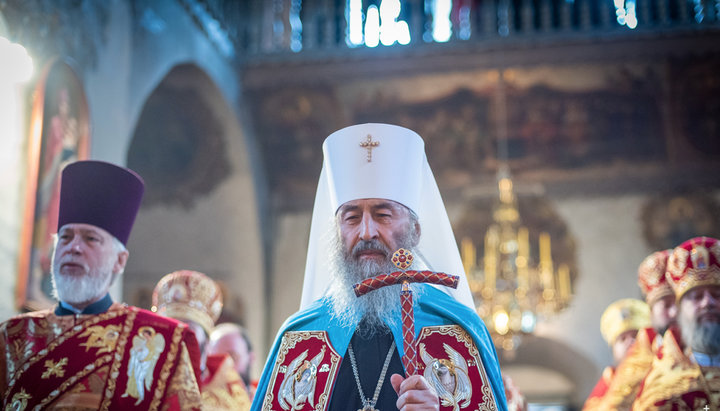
{"points": [[85, 260], [699, 319], [622, 344], [372, 229], [662, 313]]}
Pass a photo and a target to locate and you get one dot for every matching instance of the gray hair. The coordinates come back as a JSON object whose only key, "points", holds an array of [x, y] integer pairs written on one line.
{"points": [[118, 247]]}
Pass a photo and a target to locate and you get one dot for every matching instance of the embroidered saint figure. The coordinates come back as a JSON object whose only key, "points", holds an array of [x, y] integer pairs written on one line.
{"points": [[146, 349], [299, 383], [449, 377]]}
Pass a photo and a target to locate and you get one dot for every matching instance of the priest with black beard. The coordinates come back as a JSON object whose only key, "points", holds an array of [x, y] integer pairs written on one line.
{"points": [[377, 194]]}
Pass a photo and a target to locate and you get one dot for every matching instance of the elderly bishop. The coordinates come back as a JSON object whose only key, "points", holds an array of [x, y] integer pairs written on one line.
{"points": [[377, 195]]}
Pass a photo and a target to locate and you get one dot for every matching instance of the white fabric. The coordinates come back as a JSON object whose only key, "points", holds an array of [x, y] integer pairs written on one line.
{"points": [[399, 171]]}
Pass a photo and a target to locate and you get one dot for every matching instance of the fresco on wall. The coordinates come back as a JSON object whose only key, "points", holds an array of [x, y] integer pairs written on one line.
{"points": [[670, 219], [560, 119], [695, 97], [291, 126], [457, 130], [548, 126]]}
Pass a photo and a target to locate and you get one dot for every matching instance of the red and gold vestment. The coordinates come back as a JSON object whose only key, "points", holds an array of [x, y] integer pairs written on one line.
{"points": [[676, 382], [621, 388], [598, 393], [223, 388], [121, 359]]}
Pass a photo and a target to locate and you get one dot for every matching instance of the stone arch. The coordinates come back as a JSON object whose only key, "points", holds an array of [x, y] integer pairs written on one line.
{"points": [[200, 211], [548, 370]]}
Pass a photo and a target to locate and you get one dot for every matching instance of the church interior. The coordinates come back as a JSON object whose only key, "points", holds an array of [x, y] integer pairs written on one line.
{"points": [[598, 119]]}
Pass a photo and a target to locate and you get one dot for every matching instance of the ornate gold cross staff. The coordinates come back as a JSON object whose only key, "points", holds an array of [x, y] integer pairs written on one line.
{"points": [[402, 259]]}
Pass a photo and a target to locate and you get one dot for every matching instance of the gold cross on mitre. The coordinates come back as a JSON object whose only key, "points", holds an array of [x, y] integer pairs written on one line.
{"points": [[368, 144]]}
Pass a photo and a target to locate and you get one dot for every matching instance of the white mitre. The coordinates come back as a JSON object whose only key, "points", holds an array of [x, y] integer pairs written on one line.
{"points": [[389, 162]]}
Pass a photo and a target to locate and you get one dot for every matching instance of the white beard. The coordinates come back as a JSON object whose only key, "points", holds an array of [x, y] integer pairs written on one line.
{"points": [[81, 290], [702, 337], [376, 308]]}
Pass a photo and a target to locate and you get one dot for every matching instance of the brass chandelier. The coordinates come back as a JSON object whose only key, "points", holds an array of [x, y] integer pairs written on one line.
{"points": [[515, 282]]}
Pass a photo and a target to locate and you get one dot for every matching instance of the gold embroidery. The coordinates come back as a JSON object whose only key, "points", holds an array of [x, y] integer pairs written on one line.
{"points": [[90, 368], [289, 340], [42, 329], [165, 372], [18, 402], [218, 398], [674, 380], [182, 384], [115, 367], [460, 335], [104, 338], [715, 250], [54, 368], [677, 261], [624, 384], [146, 349]]}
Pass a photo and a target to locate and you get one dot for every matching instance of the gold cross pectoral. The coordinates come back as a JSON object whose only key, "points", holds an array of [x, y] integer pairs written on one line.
{"points": [[368, 144]]}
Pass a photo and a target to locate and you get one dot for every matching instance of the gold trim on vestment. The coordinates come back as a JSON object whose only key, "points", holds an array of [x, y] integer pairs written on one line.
{"points": [[489, 403], [40, 355], [289, 340], [165, 373], [119, 355]]}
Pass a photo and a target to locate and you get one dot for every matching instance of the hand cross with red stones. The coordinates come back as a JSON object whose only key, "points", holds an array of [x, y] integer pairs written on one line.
{"points": [[403, 259]]}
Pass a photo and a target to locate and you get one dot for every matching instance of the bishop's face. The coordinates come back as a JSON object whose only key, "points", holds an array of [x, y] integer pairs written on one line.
{"points": [[701, 305], [369, 232], [699, 319], [372, 229]]}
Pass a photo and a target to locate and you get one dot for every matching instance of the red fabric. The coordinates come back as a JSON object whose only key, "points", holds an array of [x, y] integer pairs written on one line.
{"points": [[409, 359], [60, 351], [676, 382], [651, 276], [80, 351], [600, 389], [301, 355], [694, 263], [398, 277], [450, 350], [212, 363]]}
